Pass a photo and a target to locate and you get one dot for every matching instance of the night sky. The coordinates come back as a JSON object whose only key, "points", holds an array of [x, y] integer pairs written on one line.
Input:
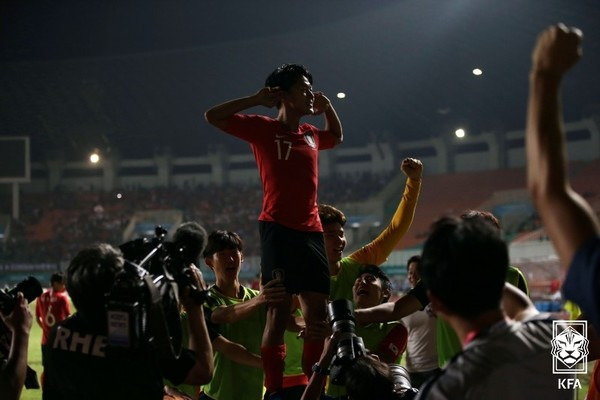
{"points": [[134, 77]]}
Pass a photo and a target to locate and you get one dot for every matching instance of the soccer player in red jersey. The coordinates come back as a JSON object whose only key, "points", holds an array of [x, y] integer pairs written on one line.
{"points": [[52, 307], [286, 153]]}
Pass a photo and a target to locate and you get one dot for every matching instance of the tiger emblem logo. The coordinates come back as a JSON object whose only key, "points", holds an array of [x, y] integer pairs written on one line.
{"points": [[570, 347]]}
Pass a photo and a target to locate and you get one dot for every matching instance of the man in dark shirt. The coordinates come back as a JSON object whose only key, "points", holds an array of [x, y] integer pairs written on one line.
{"points": [[77, 364]]}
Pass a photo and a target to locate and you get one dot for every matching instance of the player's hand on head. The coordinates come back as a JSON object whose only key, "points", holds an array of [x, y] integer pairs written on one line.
{"points": [[558, 48], [412, 168], [321, 103], [269, 96]]}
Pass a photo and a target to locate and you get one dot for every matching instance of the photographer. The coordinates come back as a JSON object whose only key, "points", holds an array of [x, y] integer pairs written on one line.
{"points": [[385, 340], [365, 378], [78, 365], [13, 366]]}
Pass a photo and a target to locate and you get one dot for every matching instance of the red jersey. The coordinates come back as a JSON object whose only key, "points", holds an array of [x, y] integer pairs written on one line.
{"points": [[51, 308], [288, 165]]}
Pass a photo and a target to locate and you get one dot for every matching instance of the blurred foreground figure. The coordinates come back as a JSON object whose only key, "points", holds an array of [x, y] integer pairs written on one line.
{"points": [[568, 219]]}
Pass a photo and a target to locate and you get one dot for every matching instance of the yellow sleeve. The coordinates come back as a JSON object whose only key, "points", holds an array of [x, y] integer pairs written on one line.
{"points": [[380, 248]]}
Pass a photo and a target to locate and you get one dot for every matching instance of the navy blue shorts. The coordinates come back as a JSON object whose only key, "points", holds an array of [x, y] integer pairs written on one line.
{"points": [[299, 256]]}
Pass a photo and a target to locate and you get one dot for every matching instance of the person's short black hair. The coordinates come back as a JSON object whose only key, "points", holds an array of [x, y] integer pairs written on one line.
{"points": [[485, 215], [286, 76], [464, 264], [414, 259], [329, 215], [57, 277], [223, 240], [367, 378], [192, 237], [90, 276], [386, 283]]}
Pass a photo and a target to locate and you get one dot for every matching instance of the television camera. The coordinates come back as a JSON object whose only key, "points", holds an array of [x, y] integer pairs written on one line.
{"points": [[143, 306]]}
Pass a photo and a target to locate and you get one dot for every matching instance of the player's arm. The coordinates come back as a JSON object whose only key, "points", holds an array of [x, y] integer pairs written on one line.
{"points": [[415, 300], [38, 313], [380, 248], [218, 115], [393, 345], [516, 304], [568, 219], [236, 352], [322, 105], [270, 294]]}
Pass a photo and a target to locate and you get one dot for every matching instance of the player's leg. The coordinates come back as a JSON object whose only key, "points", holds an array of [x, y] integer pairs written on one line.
{"points": [[314, 309], [274, 253], [314, 292]]}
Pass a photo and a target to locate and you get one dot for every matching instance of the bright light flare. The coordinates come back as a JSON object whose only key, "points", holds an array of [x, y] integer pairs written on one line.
{"points": [[460, 133], [477, 72], [94, 158], [341, 95]]}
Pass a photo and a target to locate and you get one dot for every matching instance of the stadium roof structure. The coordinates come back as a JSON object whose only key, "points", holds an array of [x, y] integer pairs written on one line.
{"points": [[133, 77]]}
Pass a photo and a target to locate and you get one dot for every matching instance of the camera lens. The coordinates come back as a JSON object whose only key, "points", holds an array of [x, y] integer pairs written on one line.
{"points": [[31, 289]]}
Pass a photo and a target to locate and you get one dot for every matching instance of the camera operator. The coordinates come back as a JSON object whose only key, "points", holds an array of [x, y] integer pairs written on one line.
{"points": [[77, 364], [365, 378], [387, 340], [13, 366]]}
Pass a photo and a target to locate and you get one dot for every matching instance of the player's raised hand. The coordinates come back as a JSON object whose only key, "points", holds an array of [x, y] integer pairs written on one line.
{"points": [[412, 168], [321, 103], [558, 48]]}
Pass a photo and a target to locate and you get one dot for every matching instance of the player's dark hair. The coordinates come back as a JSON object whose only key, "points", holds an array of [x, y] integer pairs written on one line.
{"points": [[329, 214], [286, 76], [57, 277], [223, 240]]}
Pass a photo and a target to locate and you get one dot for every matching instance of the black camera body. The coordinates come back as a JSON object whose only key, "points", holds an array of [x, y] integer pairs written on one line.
{"points": [[143, 304], [350, 346], [31, 289]]}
